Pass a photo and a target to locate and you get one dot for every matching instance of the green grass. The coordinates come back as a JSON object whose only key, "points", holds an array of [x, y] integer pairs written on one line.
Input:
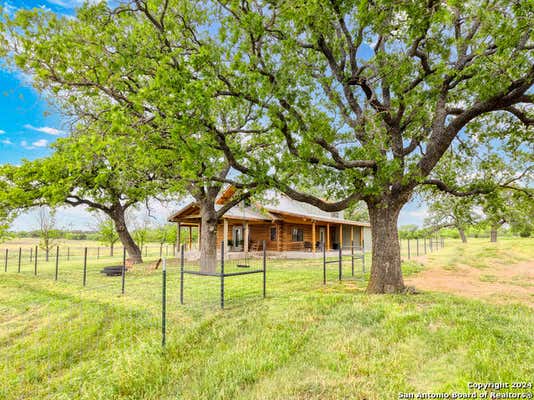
{"points": [[305, 341]]}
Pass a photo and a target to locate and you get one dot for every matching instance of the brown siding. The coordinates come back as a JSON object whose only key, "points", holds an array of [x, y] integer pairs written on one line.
{"points": [[259, 231]]}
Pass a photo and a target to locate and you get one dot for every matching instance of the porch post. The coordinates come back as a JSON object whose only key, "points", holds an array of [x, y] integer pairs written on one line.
{"points": [[341, 236], [225, 235], [178, 235], [279, 231], [190, 237], [327, 236], [351, 235], [245, 238], [313, 236]]}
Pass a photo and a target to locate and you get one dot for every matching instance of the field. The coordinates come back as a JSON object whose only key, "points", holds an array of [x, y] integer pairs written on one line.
{"points": [[475, 323]]}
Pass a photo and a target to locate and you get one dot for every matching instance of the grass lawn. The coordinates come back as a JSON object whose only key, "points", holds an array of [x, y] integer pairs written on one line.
{"points": [[59, 340]]}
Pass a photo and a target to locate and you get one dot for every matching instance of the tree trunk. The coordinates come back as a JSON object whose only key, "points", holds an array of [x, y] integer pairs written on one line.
{"points": [[462, 235], [386, 273], [208, 236], [124, 235], [111, 250], [493, 234]]}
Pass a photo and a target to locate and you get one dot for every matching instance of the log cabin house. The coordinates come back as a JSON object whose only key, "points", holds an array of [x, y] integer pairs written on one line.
{"points": [[285, 224]]}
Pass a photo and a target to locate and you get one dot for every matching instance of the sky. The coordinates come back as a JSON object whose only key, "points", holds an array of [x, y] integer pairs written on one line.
{"points": [[29, 124]]}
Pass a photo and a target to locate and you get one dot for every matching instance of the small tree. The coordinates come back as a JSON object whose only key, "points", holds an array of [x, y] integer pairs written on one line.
{"points": [[507, 207], [107, 234], [446, 211], [48, 233]]}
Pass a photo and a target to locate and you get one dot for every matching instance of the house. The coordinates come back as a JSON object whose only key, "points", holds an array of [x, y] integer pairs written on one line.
{"points": [[285, 224]]}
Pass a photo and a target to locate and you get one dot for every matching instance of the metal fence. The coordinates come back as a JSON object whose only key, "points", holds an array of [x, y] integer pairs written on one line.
{"points": [[154, 293], [225, 272], [410, 248], [345, 253]]}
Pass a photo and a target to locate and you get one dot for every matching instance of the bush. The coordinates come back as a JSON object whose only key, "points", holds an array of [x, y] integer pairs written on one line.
{"points": [[525, 233]]}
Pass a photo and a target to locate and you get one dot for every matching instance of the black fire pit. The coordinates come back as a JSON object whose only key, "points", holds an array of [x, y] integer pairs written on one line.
{"points": [[115, 270]]}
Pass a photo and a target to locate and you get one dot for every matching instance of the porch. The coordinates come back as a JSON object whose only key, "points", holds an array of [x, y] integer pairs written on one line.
{"points": [[299, 236]]}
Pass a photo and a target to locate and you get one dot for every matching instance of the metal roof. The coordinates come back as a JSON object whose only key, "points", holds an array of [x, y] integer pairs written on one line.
{"points": [[277, 203]]}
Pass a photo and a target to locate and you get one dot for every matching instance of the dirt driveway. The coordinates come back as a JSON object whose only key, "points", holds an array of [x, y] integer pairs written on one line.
{"points": [[498, 284]]}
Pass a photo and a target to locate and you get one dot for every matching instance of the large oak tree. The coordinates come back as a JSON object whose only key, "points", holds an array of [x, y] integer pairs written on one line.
{"points": [[133, 71], [103, 174], [367, 96]]}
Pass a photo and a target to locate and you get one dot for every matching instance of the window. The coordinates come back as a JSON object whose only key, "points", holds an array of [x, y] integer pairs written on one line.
{"points": [[298, 235], [273, 233]]}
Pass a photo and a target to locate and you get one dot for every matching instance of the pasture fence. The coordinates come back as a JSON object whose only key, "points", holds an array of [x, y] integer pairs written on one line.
{"points": [[152, 293]]}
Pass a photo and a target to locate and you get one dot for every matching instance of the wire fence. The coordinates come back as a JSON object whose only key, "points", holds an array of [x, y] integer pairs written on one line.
{"points": [[156, 297], [411, 248]]}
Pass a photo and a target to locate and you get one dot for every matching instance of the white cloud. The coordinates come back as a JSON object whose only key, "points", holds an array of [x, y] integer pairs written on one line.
{"points": [[71, 3], [25, 144], [6, 141], [40, 143], [2, 132], [417, 213], [45, 129]]}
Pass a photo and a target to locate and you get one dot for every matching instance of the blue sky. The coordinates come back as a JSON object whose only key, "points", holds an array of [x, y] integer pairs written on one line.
{"points": [[28, 124]]}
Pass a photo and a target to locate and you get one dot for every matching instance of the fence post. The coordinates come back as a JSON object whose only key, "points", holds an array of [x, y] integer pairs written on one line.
{"points": [[31, 254], [98, 253], [222, 275], [340, 256], [160, 250], [123, 274], [182, 274], [7, 255], [35, 259], [68, 253], [324, 263], [264, 269], [164, 302], [424, 241], [20, 257], [430, 240], [417, 246], [57, 262], [84, 266], [352, 255], [363, 257]]}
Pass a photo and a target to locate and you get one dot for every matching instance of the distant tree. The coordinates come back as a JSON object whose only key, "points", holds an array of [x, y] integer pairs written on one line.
{"points": [[446, 211], [48, 232], [142, 230], [357, 212], [107, 234], [508, 207], [111, 178], [166, 234], [4, 233], [409, 231]]}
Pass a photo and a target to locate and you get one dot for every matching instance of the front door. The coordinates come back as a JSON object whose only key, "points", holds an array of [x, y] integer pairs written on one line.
{"points": [[322, 236], [237, 237]]}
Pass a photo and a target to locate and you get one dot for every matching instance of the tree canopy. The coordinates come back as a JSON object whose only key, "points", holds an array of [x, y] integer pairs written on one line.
{"points": [[360, 98]]}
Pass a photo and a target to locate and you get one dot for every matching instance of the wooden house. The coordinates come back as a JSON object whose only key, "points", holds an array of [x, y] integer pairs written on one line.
{"points": [[284, 224]]}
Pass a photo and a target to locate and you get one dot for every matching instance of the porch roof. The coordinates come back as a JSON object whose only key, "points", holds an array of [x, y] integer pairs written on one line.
{"points": [[266, 213]]}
